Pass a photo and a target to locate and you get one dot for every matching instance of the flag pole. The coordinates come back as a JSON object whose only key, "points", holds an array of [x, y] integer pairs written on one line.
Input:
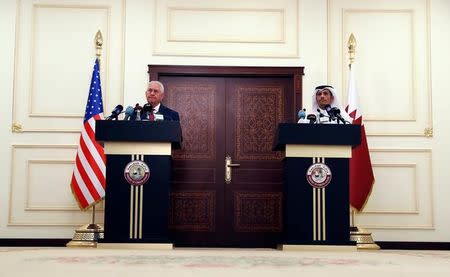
{"points": [[351, 45], [88, 234], [362, 237]]}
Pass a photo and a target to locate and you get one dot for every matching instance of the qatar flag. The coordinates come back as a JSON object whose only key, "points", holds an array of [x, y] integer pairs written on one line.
{"points": [[361, 173]]}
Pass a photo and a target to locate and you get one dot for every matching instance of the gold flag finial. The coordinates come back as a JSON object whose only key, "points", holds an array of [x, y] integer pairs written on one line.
{"points": [[98, 43], [351, 44]]}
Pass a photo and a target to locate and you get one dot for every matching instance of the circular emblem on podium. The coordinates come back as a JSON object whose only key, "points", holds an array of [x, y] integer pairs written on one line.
{"points": [[136, 173], [318, 175]]}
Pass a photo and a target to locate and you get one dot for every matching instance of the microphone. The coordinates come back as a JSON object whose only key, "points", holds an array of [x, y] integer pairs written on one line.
{"points": [[301, 114], [330, 112], [337, 114], [137, 111], [335, 110], [129, 111], [320, 113], [321, 117], [117, 110], [147, 110], [312, 118]]}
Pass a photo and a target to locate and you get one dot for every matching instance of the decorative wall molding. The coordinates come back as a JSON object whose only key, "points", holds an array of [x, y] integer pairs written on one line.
{"points": [[392, 106], [252, 28], [414, 164], [45, 103], [22, 211]]}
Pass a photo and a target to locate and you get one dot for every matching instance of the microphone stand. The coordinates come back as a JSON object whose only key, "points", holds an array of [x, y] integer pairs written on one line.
{"points": [[322, 115], [339, 117]]}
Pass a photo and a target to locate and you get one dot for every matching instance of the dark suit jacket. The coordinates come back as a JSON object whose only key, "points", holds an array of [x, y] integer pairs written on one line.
{"points": [[168, 114]]}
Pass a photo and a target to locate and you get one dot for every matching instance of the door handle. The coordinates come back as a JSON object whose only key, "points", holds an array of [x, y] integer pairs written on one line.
{"points": [[228, 166]]}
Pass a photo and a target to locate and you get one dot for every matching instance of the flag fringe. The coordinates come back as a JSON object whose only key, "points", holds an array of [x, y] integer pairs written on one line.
{"points": [[79, 203], [365, 202]]}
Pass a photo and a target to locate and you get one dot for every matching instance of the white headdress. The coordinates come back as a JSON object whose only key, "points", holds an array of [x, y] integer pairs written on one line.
{"points": [[334, 103]]}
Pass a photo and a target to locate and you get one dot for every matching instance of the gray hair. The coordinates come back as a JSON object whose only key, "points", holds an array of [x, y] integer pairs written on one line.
{"points": [[161, 86]]}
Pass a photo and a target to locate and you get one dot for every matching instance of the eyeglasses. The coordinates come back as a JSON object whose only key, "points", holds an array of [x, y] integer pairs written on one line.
{"points": [[155, 91]]}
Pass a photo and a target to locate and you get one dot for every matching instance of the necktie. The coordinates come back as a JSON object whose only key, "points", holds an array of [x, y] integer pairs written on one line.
{"points": [[151, 116]]}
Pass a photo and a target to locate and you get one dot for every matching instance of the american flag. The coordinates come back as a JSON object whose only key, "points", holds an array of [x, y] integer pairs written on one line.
{"points": [[88, 179]]}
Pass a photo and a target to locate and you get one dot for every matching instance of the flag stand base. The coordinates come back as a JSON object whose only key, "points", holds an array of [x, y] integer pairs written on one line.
{"points": [[363, 239], [87, 236]]}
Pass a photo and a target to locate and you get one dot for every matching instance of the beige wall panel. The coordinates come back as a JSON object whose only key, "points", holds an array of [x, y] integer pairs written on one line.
{"points": [[402, 196], [55, 53], [377, 31], [229, 29], [392, 62], [51, 92], [43, 178], [40, 193], [394, 180], [225, 25]]}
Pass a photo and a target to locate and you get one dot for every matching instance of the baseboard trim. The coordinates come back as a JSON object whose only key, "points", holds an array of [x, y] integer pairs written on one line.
{"points": [[34, 242], [413, 245], [398, 245]]}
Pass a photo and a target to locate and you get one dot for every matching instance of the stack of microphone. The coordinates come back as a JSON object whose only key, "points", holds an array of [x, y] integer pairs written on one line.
{"points": [[334, 116], [137, 113]]}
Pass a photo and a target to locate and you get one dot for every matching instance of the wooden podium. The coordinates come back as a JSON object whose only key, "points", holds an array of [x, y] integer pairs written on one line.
{"points": [[138, 175], [316, 183]]}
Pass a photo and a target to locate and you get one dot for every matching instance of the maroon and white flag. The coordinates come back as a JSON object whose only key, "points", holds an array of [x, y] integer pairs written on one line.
{"points": [[361, 173]]}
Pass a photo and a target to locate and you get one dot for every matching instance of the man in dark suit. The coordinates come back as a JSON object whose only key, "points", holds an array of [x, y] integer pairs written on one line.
{"points": [[154, 95]]}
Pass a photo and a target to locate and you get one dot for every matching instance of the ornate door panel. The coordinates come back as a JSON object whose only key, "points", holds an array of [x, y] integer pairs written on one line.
{"points": [[197, 202], [228, 111], [253, 197]]}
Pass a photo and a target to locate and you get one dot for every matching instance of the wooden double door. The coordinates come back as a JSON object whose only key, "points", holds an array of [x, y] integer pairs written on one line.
{"points": [[227, 181]]}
